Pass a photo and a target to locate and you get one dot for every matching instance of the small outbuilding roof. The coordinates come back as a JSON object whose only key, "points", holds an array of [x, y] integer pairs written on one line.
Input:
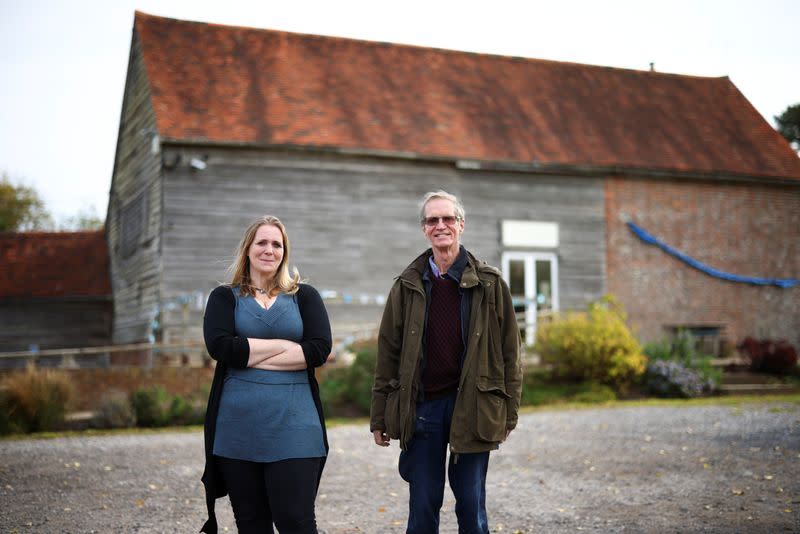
{"points": [[234, 85], [54, 264]]}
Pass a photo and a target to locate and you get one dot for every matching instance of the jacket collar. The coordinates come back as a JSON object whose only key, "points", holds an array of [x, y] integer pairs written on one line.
{"points": [[470, 276]]}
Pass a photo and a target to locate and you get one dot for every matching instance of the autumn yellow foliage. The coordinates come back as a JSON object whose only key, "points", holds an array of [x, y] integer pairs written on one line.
{"points": [[35, 399], [595, 345]]}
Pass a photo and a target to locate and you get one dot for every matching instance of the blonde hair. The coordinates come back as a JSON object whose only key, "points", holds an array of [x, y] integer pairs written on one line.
{"points": [[239, 270], [457, 205]]}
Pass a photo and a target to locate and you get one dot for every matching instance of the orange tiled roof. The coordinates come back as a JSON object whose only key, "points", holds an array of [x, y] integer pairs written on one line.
{"points": [[223, 84], [54, 264]]}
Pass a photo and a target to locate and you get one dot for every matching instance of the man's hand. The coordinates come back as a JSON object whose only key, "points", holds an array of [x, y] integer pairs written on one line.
{"points": [[380, 438]]}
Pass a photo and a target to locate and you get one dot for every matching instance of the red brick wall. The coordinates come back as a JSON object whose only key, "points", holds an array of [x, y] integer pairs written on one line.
{"points": [[745, 229]]}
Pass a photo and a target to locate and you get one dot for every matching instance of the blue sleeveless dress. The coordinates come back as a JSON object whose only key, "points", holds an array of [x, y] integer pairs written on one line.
{"points": [[267, 416]]}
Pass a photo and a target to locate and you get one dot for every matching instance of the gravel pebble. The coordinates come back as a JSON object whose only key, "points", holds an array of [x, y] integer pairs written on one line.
{"points": [[626, 469]]}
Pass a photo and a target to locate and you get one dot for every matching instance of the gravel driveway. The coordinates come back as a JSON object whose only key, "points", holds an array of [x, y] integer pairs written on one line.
{"points": [[631, 469]]}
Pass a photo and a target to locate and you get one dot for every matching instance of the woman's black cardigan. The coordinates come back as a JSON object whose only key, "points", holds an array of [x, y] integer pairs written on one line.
{"points": [[230, 350]]}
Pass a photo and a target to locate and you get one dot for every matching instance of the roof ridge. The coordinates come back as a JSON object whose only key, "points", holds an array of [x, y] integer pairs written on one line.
{"points": [[215, 83], [431, 48]]}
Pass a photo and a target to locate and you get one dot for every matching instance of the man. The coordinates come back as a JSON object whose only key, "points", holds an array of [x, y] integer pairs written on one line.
{"points": [[448, 371]]}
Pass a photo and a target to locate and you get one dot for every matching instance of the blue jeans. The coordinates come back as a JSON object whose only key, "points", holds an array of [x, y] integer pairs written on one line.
{"points": [[422, 466]]}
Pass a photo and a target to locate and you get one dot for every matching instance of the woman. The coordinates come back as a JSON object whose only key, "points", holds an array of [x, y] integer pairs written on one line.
{"points": [[264, 429]]}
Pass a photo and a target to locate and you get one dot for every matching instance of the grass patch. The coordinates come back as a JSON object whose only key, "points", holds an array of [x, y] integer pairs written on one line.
{"points": [[728, 400]]}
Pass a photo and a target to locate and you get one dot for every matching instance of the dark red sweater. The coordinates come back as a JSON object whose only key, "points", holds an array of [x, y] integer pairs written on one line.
{"points": [[444, 344]]}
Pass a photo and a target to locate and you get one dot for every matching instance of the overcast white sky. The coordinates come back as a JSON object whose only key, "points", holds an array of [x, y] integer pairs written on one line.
{"points": [[63, 64]]}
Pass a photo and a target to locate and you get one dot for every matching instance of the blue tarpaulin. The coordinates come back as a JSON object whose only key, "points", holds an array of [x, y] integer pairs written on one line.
{"points": [[649, 239]]}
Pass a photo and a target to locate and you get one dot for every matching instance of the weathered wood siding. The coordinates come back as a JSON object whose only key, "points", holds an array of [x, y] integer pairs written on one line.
{"points": [[54, 323], [353, 223], [135, 267]]}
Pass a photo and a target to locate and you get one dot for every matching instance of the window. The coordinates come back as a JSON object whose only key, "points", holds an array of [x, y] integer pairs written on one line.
{"points": [[132, 224], [533, 280]]}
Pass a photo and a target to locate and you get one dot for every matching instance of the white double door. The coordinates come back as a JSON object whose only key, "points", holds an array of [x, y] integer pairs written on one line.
{"points": [[532, 278]]}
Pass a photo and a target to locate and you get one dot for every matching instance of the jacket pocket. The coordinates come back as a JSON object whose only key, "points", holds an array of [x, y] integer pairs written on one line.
{"points": [[392, 414], [491, 410]]}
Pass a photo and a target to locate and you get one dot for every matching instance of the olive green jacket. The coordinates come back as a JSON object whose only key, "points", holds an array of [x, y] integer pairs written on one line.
{"points": [[491, 377]]}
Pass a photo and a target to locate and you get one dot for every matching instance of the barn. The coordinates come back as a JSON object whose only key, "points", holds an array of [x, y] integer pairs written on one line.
{"points": [[557, 164], [55, 292]]}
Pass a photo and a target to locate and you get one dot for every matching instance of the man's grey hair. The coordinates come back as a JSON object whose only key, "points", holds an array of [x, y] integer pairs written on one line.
{"points": [[430, 195]]}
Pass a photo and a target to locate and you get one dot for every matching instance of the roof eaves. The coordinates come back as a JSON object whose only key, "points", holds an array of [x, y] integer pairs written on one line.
{"points": [[499, 165]]}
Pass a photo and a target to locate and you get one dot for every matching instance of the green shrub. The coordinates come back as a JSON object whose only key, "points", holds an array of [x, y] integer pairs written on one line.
{"points": [[671, 378], [35, 400], [361, 377], [658, 350], [154, 407], [115, 411], [540, 387], [594, 394], [190, 410], [348, 390], [594, 346], [151, 406], [682, 350], [332, 390]]}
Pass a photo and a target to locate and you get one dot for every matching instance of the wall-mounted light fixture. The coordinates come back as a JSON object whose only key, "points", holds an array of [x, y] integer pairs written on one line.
{"points": [[197, 164]]}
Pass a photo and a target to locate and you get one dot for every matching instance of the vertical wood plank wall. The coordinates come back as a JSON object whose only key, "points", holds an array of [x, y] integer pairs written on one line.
{"points": [[353, 223], [137, 170]]}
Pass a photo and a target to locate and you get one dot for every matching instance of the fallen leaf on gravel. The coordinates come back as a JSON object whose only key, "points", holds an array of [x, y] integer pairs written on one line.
{"points": [[788, 510], [323, 496], [67, 509], [152, 486], [9, 487], [707, 507], [562, 510], [737, 491], [140, 503], [381, 509], [107, 468], [768, 477], [706, 466], [393, 494], [397, 522], [648, 438]]}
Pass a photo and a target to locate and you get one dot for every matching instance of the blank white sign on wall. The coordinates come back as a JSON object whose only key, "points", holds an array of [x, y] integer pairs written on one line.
{"points": [[530, 234]]}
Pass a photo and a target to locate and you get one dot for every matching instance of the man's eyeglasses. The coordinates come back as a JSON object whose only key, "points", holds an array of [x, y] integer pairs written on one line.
{"points": [[447, 220]]}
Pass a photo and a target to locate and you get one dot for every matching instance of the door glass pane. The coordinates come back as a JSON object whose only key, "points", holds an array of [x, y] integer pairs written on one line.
{"points": [[544, 286], [516, 284]]}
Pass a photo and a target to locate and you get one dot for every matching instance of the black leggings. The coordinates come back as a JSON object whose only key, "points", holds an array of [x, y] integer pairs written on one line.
{"points": [[281, 492]]}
